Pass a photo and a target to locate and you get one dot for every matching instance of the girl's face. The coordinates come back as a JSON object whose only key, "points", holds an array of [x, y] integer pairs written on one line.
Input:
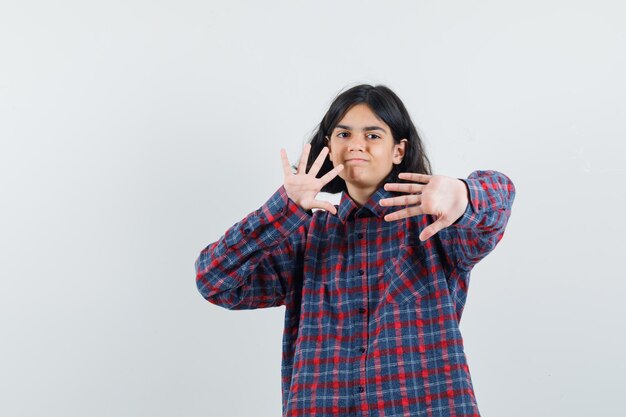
{"points": [[364, 145]]}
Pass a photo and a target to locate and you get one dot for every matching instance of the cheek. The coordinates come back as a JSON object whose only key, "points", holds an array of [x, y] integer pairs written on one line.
{"points": [[383, 155]]}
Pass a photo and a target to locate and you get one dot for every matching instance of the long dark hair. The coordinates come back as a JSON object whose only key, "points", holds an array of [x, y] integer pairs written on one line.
{"points": [[387, 106]]}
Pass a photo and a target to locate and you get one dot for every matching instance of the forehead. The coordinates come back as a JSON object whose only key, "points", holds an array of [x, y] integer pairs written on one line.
{"points": [[359, 116]]}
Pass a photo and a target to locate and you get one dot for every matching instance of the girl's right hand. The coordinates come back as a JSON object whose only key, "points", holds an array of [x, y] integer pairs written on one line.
{"points": [[302, 187]]}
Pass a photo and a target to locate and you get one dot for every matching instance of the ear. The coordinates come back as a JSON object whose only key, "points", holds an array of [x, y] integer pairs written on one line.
{"points": [[398, 151]]}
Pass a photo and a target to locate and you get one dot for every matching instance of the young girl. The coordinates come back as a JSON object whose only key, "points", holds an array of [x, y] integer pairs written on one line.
{"points": [[374, 288]]}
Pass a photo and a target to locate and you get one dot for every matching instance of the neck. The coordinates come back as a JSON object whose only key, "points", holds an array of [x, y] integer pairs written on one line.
{"points": [[360, 195]]}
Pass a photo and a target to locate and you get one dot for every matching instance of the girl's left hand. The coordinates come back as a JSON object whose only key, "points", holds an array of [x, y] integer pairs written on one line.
{"points": [[439, 195]]}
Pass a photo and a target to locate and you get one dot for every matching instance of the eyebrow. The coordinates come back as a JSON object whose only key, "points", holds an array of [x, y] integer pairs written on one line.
{"points": [[364, 129]]}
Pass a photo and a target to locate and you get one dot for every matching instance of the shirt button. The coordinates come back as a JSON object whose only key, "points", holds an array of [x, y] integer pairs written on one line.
{"points": [[361, 272], [362, 349], [246, 231], [360, 235], [361, 389], [362, 310]]}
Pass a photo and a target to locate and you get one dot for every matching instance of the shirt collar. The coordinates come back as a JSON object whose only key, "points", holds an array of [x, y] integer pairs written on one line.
{"points": [[348, 208]]}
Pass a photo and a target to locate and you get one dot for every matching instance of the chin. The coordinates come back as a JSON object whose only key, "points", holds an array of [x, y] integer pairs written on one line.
{"points": [[361, 183]]}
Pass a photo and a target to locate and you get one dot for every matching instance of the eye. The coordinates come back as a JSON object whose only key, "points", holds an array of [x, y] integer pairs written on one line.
{"points": [[339, 135], [375, 136]]}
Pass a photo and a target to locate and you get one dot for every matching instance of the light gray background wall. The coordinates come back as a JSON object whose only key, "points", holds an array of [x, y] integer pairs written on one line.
{"points": [[134, 133]]}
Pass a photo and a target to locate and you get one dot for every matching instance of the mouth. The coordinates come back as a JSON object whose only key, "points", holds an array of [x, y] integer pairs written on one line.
{"points": [[356, 160]]}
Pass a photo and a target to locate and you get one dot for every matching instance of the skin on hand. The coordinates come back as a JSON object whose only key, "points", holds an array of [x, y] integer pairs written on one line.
{"points": [[444, 197], [303, 187]]}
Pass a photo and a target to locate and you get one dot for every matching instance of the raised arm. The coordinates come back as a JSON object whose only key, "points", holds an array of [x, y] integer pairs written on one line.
{"points": [[258, 262], [469, 214], [481, 227]]}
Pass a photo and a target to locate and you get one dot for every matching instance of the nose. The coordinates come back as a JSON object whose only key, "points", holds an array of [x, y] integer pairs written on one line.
{"points": [[358, 143]]}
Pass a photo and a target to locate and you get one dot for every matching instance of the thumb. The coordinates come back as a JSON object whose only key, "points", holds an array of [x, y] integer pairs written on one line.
{"points": [[433, 228], [325, 205]]}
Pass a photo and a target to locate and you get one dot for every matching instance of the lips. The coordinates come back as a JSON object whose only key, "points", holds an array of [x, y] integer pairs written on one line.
{"points": [[356, 160]]}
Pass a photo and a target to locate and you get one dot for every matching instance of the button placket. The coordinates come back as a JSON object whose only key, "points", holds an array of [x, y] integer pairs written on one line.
{"points": [[361, 325]]}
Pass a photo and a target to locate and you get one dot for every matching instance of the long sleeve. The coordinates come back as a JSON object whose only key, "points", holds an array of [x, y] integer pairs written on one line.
{"points": [[256, 262], [481, 227]]}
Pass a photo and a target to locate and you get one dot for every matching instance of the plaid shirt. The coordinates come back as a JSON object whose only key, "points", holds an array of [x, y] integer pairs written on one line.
{"points": [[372, 313]]}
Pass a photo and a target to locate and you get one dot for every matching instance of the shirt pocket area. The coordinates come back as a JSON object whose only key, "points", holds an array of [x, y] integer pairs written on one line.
{"points": [[407, 277]]}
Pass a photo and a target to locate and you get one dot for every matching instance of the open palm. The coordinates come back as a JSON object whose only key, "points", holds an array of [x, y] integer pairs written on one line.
{"points": [[302, 187], [444, 197]]}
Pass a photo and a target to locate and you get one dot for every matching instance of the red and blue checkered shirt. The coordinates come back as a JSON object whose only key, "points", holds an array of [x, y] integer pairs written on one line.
{"points": [[372, 313]]}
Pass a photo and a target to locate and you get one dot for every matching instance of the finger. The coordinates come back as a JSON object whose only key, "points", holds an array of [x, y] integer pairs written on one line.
{"points": [[411, 176], [319, 161], [404, 188], [325, 205], [285, 160], [331, 174], [304, 158], [403, 200], [433, 229], [404, 213]]}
